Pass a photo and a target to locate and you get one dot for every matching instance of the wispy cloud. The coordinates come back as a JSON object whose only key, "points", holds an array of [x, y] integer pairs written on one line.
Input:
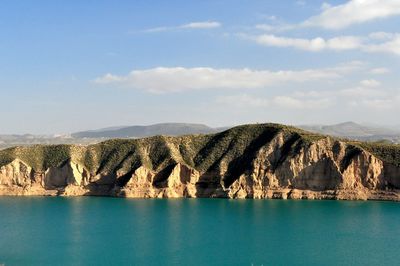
{"points": [[370, 83], [379, 71], [315, 44], [376, 42], [244, 100], [277, 27], [282, 101], [341, 16], [191, 25], [201, 25], [363, 95], [295, 103], [301, 3], [176, 79], [353, 12], [392, 45]]}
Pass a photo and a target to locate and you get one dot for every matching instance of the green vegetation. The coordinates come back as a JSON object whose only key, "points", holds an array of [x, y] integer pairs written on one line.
{"points": [[6, 156], [230, 144], [233, 150], [40, 157], [389, 153]]}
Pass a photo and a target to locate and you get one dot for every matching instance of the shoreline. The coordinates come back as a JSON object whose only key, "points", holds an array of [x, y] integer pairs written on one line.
{"points": [[278, 194]]}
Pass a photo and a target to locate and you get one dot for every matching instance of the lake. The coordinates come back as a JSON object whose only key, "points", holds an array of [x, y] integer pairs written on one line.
{"points": [[117, 231]]}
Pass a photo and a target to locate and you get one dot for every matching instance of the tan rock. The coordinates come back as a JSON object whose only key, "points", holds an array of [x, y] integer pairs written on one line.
{"points": [[16, 173]]}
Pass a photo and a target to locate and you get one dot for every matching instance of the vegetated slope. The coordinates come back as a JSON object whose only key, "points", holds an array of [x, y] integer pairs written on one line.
{"points": [[171, 129], [261, 161], [96, 136]]}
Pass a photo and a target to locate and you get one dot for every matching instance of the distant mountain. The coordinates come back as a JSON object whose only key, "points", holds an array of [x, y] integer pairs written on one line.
{"points": [[27, 139], [356, 131], [97, 135], [171, 129], [348, 130]]}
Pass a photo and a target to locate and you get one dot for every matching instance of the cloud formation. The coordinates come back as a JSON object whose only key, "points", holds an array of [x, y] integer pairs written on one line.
{"points": [[376, 42], [368, 94], [201, 25], [391, 45], [353, 12], [315, 44], [281, 101], [342, 16], [379, 71], [176, 79], [191, 25], [370, 83]]}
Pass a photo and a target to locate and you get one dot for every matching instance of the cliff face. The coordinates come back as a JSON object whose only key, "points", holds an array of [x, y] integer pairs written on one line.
{"points": [[253, 161]]}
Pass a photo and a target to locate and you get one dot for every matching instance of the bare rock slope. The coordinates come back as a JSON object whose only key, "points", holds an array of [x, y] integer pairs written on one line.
{"points": [[250, 161]]}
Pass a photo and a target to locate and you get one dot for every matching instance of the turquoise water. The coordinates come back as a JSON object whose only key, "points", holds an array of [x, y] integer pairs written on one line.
{"points": [[112, 231]]}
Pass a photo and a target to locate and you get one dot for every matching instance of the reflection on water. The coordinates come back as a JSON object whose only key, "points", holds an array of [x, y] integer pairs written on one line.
{"points": [[109, 231]]}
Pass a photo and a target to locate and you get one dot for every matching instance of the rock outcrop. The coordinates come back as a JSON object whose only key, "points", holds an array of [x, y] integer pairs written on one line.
{"points": [[253, 161]]}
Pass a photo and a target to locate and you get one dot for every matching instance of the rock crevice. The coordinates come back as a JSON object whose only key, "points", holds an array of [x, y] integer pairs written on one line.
{"points": [[262, 161]]}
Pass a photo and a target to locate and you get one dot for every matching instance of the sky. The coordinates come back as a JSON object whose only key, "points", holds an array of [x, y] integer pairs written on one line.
{"points": [[67, 66]]}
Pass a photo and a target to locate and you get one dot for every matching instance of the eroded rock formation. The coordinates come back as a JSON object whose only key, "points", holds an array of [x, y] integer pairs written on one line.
{"points": [[260, 161]]}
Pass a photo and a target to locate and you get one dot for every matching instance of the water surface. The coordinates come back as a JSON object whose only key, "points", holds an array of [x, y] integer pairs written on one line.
{"points": [[115, 231]]}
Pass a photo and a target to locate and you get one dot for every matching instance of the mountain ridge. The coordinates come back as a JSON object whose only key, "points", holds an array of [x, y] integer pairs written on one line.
{"points": [[248, 161], [97, 135], [365, 133], [137, 131], [356, 131]]}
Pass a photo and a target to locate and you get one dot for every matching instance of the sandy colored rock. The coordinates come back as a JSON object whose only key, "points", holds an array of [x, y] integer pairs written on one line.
{"points": [[273, 164]]}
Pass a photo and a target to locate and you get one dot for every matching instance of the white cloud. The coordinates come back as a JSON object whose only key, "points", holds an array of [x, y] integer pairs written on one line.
{"points": [[359, 96], [267, 17], [191, 25], [301, 3], [379, 71], [276, 27], [381, 35], [158, 29], [370, 83], [201, 25], [296, 103], [376, 104], [390, 46], [360, 92], [265, 27], [244, 100], [353, 12], [362, 96], [315, 44], [344, 15], [109, 78], [325, 6], [284, 101], [175, 79], [376, 42]]}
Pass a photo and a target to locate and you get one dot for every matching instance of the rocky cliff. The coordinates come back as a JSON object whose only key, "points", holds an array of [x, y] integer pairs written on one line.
{"points": [[250, 161]]}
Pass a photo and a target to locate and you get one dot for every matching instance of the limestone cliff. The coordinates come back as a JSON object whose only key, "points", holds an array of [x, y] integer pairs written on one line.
{"points": [[251, 161]]}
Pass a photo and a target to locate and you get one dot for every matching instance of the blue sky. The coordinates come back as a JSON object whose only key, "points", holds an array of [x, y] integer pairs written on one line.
{"points": [[73, 65]]}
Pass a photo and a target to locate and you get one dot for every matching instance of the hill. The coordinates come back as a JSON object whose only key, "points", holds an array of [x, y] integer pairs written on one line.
{"points": [[171, 129], [256, 161], [356, 131], [98, 135], [348, 130]]}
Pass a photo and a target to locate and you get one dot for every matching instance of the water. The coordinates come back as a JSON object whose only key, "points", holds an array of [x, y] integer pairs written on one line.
{"points": [[112, 231]]}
